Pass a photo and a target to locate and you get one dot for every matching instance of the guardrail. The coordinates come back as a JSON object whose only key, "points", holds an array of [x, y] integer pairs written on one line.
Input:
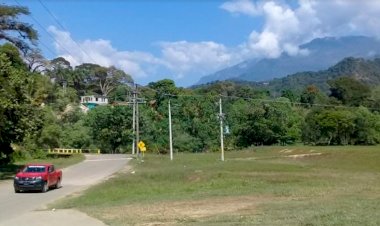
{"points": [[72, 151]]}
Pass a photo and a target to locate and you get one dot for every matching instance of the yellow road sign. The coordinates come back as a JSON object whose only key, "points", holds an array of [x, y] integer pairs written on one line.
{"points": [[141, 146]]}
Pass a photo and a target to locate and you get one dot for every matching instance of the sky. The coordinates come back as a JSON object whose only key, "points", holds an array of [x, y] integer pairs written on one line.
{"points": [[184, 40]]}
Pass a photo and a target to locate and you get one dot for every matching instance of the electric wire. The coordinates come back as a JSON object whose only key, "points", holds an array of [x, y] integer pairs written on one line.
{"points": [[65, 29], [42, 43], [44, 29], [47, 47]]}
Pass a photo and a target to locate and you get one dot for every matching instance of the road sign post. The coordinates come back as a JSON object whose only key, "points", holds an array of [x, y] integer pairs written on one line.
{"points": [[142, 147]]}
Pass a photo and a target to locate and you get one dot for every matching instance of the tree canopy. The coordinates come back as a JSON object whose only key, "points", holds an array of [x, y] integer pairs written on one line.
{"points": [[14, 31]]}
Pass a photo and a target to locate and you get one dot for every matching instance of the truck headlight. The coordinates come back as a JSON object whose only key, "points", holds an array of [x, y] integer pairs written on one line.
{"points": [[16, 178]]}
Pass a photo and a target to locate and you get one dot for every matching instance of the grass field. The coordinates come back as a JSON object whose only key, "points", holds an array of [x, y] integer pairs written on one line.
{"points": [[262, 186], [8, 171]]}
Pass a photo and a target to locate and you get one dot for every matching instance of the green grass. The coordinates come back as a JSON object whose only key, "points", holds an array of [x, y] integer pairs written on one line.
{"points": [[8, 171], [339, 187]]}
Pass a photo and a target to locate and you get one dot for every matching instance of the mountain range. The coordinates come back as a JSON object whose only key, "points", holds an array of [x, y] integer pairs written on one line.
{"points": [[322, 53]]}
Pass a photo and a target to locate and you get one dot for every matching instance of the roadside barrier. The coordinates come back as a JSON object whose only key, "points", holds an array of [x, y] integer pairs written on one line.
{"points": [[72, 151]]}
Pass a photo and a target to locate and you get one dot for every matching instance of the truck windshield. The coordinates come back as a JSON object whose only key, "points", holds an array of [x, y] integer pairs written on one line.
{"points": [[34, 169]]}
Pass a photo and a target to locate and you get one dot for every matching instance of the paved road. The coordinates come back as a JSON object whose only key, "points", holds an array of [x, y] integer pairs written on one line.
{"points": [[75, 178]]}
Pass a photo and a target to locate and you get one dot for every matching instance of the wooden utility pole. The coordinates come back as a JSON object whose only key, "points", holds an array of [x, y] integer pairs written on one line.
{"points": [[134, 121], [221, 117], [137, 125], [135, 101], [170, 133]]}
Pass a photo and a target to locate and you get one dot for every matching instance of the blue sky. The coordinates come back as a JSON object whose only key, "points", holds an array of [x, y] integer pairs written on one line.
{"points": [[185, 40]]}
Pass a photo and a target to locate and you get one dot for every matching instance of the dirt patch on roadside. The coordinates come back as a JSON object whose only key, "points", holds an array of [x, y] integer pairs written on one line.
{"points": [[286, 151], [303, 155], [127, 169], [170, 213]]}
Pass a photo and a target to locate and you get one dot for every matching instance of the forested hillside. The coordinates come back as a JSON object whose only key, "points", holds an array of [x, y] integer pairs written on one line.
{"points": [[40, 108], [364, 70]]}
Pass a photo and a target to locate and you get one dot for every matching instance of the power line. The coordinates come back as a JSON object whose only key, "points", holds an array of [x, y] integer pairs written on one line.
{"points": [[39, 24], [48, 48], [64, 28]]}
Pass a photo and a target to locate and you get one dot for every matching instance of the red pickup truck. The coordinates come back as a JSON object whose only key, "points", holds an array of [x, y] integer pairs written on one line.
{"points": [[37, 177]]}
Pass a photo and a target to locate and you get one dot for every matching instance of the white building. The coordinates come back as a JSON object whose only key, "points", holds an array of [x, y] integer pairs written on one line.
{"points": [[93, 101]]}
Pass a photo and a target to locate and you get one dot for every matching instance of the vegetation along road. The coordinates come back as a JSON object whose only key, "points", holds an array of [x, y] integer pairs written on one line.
{"points": [[15, 207]]}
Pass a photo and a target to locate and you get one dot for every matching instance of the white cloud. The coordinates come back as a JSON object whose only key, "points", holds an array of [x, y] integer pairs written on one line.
{"points": [[241, 6], [280, 32], [179, 58], [101, 52], [184, 57], [350, 16], [286, 27], [265, 44]]}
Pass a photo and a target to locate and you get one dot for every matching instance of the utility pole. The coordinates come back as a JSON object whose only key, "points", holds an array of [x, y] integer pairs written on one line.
{"points": [[134, 121], [137, 124], [221, 117], [170, 133], [135, 101]]}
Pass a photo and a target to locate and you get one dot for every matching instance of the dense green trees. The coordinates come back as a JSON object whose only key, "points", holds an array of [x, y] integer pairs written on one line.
{"points": [[265, 123], [110, 127], [19, 113], [340, 126], [311, 95], [367, 127], [350, 91], [197, 117]]}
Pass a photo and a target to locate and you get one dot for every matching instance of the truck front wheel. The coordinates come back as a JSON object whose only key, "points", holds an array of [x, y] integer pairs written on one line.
{"points": [[45, 188]]}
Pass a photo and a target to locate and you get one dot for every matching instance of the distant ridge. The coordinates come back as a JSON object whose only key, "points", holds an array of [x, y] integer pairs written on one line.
{"points": [[323, 53], [364, 70]]}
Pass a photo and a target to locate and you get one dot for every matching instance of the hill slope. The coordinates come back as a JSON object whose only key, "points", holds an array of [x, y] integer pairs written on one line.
{"points": [[366, 71], [323, 53]]}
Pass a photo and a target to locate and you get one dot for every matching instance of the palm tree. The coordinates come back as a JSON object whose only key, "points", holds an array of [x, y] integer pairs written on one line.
{"points": [[18, 33]]}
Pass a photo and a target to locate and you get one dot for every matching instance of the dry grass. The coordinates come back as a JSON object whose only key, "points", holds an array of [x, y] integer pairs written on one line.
{"points": [[170, 213]]}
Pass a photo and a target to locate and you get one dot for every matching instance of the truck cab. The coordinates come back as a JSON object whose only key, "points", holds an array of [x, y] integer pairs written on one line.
{"points": [[37, 177]]}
